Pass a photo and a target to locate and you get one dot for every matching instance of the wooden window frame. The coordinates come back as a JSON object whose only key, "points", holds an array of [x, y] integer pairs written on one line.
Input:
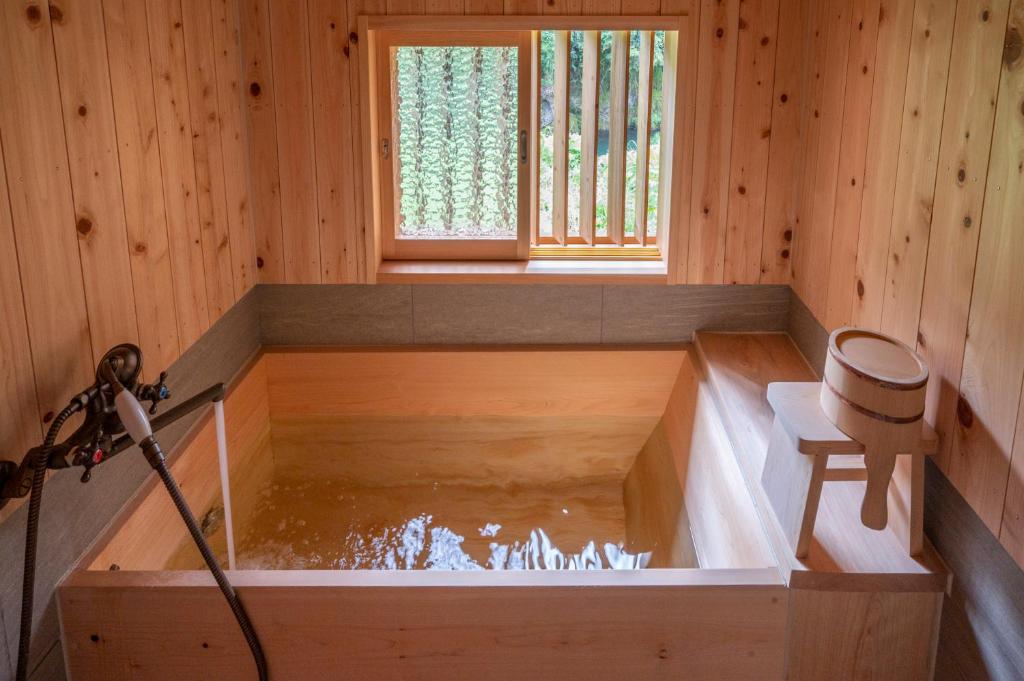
{"points": [[668, 247], [458, 249]]}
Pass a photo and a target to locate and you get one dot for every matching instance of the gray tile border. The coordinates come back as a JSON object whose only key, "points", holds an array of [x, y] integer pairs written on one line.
{"points": [[335, 314], [807, 333], [672, 313], [506, 314]]}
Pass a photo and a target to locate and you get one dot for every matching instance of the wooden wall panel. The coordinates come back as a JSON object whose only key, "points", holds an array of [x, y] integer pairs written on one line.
{"points": [[885, 122], [131, 79], [860, 75], [813, 239], [959, 192], [95, 174], [915, 177], [293, 101], [42, 210], [1003, 206], [20, 428], [340, 244], [264, 177], [709, 203], [174, 131], [784, 157], [100, 228], [994, 356], [197, 26], [233, 141], [751, 137]]}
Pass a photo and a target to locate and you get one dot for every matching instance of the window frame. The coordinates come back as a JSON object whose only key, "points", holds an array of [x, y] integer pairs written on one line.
{"points": [[395, 248], [676, 170]]}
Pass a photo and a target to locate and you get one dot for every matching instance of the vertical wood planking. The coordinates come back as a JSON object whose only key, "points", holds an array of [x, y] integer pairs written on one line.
{"points": [[860, 74], [444, 7], [784, 157], [483, 7], [86, 103], [42, 210], [265, 185], [618, 121], [234, 141], [560, 160], [295, 143], [677, 145], [563, 6], [588, 129], [406, 6], [523, 6], [719, 24], [959, 195], [813, 240], [602, 6], [20, 427], [366, 270], [994, 355], [751, 138], [643, 131], [339, 244], [197, 24], [892, 55], [174, 130], [131, 79], [915, 177]]}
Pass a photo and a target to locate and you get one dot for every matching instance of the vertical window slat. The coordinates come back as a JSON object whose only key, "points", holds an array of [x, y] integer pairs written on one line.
{"points": [[560, 194], [618, 121], [535, 138], [588, 140], [643, 132]]}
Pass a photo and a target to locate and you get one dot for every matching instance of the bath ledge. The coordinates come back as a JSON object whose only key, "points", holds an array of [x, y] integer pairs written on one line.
{"points": [[523, 272]]}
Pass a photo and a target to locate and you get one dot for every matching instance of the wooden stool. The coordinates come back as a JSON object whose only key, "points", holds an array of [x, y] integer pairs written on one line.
{"points": [[796, 467]]}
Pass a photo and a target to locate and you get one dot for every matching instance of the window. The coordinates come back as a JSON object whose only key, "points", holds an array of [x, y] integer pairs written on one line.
{"points": [[455, 144], [506, 141]]}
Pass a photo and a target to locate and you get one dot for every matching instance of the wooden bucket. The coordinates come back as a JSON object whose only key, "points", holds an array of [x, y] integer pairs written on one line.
{"points": [[874, 391]]}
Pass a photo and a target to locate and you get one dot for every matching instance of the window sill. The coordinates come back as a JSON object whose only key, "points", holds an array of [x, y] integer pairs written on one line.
{"points": [[522, 272]]}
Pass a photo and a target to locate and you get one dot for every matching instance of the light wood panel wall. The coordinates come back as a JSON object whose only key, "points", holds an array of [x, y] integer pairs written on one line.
{"points": [[733, 238], [124, 200], [919, 232]]}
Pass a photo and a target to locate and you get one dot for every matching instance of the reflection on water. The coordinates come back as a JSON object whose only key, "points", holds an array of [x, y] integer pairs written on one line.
{"points": [[325, 525]]}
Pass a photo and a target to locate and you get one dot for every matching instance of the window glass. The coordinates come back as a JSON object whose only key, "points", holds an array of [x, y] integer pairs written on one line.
{"points": [[456, 129]]}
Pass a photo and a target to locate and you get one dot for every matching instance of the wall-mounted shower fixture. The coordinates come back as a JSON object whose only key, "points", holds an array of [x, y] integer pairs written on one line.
{"points": [[114, 421]]}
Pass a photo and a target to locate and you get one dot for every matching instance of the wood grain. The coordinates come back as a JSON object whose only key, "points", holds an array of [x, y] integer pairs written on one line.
{"points": [[719, 28], [174, 131], [293, 101], [915, 178], [623, 629], [131, 80], [892, 55], [197, 25], [258, 84], [35, 157], [993, 359], [340, 241], [962, 176], [751, 140], [95, 174]]}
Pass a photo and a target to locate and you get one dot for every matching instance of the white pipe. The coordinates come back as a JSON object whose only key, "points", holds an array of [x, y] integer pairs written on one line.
{"points": [[225, 481]]}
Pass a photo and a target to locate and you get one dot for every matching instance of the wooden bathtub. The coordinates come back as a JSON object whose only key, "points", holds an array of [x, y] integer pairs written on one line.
{"points": [[711, 603]]}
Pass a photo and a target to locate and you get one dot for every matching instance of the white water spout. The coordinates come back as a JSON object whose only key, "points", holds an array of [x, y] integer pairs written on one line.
{"points": [[225, 480]]}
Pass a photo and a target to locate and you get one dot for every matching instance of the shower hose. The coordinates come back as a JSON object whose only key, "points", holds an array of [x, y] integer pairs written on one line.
{"points": [[32, 532]]}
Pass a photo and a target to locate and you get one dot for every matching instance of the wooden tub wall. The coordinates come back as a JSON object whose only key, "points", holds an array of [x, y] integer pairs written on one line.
{"points": [[534, 417]]}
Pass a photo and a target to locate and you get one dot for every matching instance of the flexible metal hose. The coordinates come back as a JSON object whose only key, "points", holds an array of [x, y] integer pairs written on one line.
{"points": [[35, 501], [218, 574]]}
